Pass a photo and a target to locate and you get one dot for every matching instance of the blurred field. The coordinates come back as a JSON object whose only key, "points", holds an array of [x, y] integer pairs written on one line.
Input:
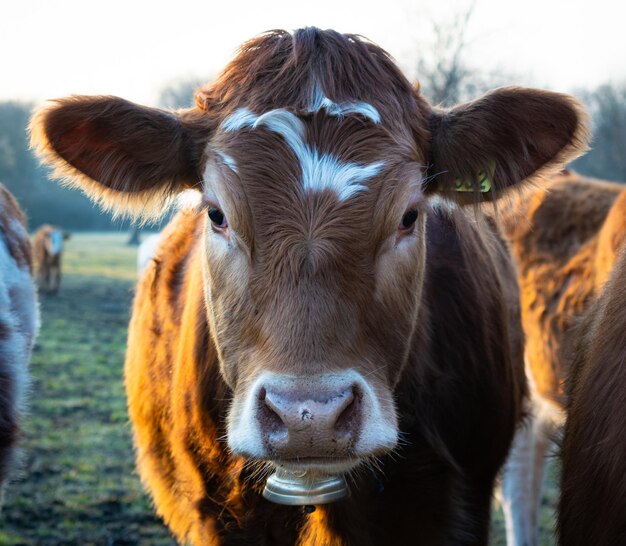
{"points": [[78, 485]]}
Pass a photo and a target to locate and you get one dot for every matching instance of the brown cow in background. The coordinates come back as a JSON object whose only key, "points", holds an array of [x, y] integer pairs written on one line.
{"points": [[48, 250], [19, 319], [592, 507], [564, 238], [328, 308]]}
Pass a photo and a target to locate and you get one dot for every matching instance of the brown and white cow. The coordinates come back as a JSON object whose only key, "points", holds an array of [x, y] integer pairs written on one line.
{"points": [[329, 306], [48, 250], [19, 319], [592, 507], [564, 237]]}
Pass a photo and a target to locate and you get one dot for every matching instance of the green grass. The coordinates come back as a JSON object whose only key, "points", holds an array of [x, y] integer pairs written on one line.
{"points": [[78, 484]]}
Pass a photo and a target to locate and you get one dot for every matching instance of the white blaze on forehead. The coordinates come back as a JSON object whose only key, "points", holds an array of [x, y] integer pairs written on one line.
{"points": [[326, 171], [319, 171], [242, 117], [321, 101]]}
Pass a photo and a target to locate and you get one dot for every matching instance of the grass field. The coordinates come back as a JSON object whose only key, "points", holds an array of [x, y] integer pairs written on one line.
{"points": [[78, 485]]}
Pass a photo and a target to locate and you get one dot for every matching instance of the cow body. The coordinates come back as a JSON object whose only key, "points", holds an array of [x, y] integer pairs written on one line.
{"points": [[592, 507], [48, 250], [18, 325], [564, 238], [436, 488], [328, 307]]}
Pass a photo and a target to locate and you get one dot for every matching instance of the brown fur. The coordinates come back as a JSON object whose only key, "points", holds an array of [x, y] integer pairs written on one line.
{"points": [[431, 485], [592, 507], [18, 323], [47, 264], [19, 248], [564, 237], [302, 283]]}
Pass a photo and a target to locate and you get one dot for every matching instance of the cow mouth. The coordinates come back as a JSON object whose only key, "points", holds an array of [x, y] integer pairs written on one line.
{"points": [[317, 465]]}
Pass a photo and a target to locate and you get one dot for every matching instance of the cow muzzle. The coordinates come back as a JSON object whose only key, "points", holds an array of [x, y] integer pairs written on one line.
{"points": [[326, 421], [299, 423], [313, 429]]}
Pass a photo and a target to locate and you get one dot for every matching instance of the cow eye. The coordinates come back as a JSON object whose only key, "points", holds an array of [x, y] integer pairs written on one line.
{"points": [[217, 217], [409, 218]]}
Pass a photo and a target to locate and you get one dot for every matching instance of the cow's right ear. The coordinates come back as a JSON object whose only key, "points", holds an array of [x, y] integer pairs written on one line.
{"points": [[127, 157], [481, 148]]}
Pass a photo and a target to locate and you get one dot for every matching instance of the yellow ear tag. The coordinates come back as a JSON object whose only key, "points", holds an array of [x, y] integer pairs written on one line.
{"points": [[482, 182]]}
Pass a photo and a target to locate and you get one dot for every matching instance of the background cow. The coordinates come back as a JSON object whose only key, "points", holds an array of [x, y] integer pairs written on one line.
{"points": [[18, 325], [48, 249], [564, 237], [329, 307], [592, 507]]}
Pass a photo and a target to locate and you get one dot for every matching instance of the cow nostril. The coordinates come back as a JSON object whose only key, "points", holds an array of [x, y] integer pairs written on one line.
{"points": [[269, 416], [348, 419], [300, 422]]}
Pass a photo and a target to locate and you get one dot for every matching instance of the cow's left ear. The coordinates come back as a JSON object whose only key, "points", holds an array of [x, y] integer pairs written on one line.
{"points": [[480, 148], [127, 157]]}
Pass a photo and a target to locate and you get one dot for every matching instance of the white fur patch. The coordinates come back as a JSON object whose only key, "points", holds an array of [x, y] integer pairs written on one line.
{"points": [[437, 202], [229, 161], [241, 118], [379, 428], [523, 472], [326, 171], [188, 199], [319, 172], [19, 314], [244, 431], [288, 125], [321, 101], [146, 251]]}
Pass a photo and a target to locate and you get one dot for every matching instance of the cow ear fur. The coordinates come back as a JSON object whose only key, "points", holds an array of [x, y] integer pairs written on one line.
{"points": [[128, 158], [506, 136]]}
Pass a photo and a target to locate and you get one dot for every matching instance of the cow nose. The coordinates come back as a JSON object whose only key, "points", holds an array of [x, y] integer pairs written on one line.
{"points": [[300, 424]]}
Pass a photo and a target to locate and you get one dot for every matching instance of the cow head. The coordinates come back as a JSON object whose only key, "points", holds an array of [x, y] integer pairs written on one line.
{"points": [[316, 161], [53, 241]]}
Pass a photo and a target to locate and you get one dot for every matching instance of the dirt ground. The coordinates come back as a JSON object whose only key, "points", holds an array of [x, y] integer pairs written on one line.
{"points": [[77, 484]]}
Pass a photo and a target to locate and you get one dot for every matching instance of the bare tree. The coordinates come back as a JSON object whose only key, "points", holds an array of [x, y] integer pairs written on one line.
{"points": [[607, 157], [179, 94], [446, 76], [443, 74]]}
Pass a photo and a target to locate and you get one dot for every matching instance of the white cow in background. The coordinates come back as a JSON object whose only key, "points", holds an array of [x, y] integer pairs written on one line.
{"points": [[19, 322]]}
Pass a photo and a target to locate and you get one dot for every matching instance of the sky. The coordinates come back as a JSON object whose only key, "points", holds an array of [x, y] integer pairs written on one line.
{"points": [[134, 48]]}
